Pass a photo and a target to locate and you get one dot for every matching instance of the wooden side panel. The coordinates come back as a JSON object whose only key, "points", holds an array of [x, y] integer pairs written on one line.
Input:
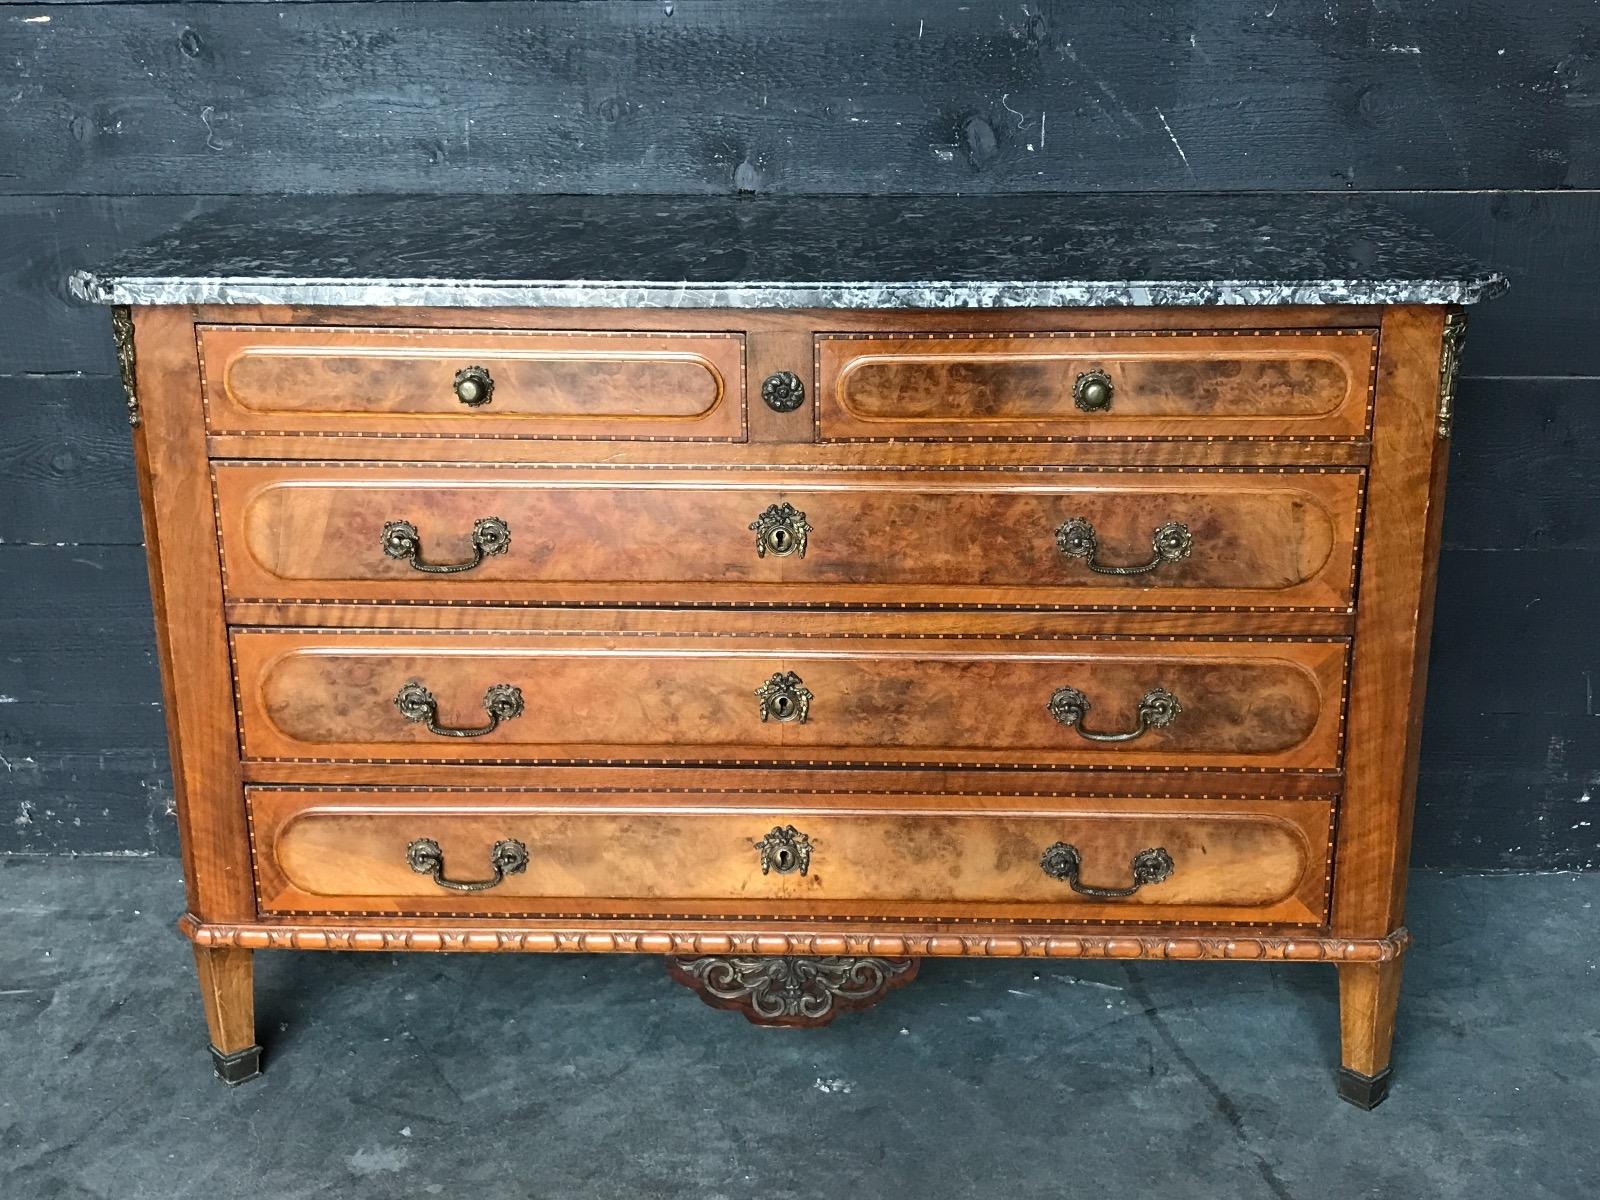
{"points": [[346, 850], [954, 386], [1389, 663], [400, 382], [336, 696], [1251, 539], [186, 585]]}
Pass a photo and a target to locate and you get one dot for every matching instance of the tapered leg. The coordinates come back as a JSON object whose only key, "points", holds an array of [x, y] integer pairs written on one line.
{"points": [[1368, 994], [227, 988]]}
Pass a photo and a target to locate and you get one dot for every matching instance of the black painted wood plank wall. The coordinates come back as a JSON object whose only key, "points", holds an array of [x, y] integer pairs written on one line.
{"points": [[1480, 118]]}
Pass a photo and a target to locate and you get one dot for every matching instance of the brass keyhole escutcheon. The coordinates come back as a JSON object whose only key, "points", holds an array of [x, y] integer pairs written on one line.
{"points": [[785, 850], [784, 698], [781, 531]]}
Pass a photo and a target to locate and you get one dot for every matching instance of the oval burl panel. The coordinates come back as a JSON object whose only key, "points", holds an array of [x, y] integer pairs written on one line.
{"points": [[327, 849], [401, 382], [1251, 539], [335, 696], [938, 386]]}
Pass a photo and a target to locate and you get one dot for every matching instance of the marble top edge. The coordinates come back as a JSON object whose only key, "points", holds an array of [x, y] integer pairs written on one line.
{"points": [[845, 294], [930, 252]]}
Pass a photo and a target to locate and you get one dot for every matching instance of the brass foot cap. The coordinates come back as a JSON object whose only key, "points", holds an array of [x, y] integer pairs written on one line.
{"points": [[1364, 1091], [239, 1067]]}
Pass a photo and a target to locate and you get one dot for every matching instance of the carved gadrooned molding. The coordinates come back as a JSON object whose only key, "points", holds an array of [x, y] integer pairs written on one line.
{"points": [[792, 990], [690, 943]]}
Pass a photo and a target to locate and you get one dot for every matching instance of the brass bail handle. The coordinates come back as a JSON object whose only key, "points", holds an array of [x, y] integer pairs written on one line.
{"points": [[1171, 542], [490, 536], [1063, 861], [502, 702], [507, 857], [1157, 709]]}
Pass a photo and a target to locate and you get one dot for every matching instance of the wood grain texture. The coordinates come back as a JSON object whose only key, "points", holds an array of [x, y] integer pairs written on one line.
{"points": [[1389, 663], [1260, 540], [942, 624], [596, 384], [1281, 385], [227, 990], [653, 855], [1368, 996], [868, 785], [186, 588], [333, 697], [832, 97]]}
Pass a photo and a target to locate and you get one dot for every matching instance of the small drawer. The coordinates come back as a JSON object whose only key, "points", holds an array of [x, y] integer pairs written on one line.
{"points": [[939, 386], [340, 696], [442, 383], [1147, 539], [532, 853]]}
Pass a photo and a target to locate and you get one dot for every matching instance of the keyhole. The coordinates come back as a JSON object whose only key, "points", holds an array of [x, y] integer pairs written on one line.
{"points": [[781, 704], [781, 541], [784, 860]]}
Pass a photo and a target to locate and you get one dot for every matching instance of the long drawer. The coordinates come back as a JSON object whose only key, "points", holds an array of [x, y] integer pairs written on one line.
{"points": [[1249, 539], [339, 695], [531, 853], [955, 386], [422, 383]]}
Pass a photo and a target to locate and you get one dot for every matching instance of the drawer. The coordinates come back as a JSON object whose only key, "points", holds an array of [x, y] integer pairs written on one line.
{"points": [[472, 383], [335, 695], [1252, 539], [941, 386], [533, 853]]}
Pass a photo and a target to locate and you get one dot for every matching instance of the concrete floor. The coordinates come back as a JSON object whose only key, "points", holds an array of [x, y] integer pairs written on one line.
{"points": [[566, 1077]]}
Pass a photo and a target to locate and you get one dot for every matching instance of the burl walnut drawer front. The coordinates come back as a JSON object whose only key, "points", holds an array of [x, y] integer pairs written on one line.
{"points": [[1109, 539], [414, 697], [472, 383], [1289, 384], [528, 853]]}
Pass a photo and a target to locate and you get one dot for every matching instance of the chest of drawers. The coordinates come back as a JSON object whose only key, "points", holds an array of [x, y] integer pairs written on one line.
{"points": [[589, 599]]}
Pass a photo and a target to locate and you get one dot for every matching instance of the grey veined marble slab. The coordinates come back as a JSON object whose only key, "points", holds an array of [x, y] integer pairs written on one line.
{"points": [[793, 252]]}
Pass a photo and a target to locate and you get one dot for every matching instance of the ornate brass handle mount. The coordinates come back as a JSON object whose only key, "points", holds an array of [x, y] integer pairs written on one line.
{"points": [[1158, 709], [508, 857], [1062, 861], [416, 703], [780, 531], [785, 698], [785, 850], [1076, 538], [783, 391], [490, 536]]}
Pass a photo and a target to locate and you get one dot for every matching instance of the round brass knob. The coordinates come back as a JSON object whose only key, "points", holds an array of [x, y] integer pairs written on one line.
{"points": [[474, 387], [1092, 391]]}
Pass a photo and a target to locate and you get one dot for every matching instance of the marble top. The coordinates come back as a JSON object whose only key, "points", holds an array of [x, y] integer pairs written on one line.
{"points": [[793, 252]]}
